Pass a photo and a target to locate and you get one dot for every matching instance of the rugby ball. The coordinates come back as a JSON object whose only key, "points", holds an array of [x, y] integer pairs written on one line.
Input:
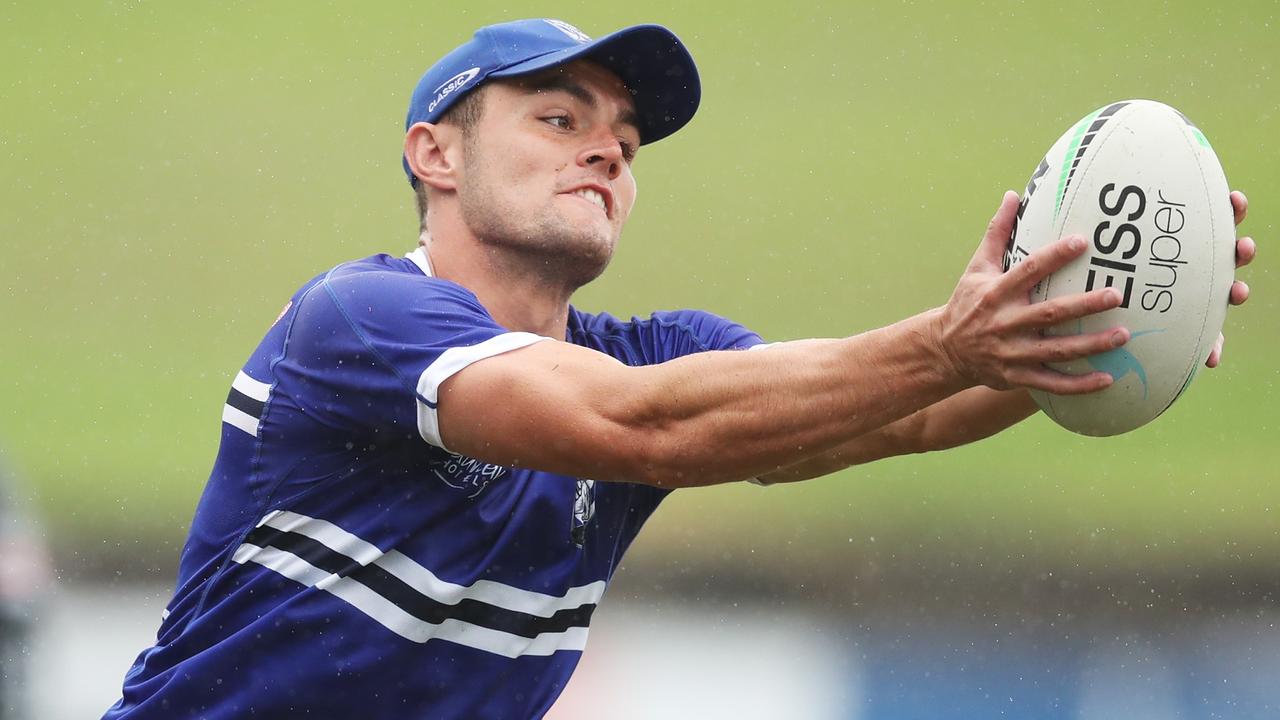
{"points": [[1140, 182]]}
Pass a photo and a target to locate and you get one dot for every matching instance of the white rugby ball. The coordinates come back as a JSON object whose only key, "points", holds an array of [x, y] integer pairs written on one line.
{"points": [[1142, 184]]}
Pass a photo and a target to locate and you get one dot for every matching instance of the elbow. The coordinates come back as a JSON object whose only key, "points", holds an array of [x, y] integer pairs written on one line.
{"points": [[673, 456], [650, 456], [648, 453], [649, 441]]}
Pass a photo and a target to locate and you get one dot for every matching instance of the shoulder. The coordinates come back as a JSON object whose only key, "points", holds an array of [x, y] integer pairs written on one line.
{"points": [[387, 280], [383, 289]]}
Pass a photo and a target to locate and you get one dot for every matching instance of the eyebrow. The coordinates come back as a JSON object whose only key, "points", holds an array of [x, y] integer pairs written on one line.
{"points": [[560, 82]]}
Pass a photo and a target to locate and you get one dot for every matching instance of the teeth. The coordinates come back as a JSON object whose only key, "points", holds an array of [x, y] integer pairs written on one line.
{"points": [[591, 195]]}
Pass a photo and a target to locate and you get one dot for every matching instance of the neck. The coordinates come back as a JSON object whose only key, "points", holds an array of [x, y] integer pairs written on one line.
{"points": [[517, 295]]}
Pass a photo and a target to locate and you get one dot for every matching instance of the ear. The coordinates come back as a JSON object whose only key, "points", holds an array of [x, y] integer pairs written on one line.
{"points": [[434, 154]]}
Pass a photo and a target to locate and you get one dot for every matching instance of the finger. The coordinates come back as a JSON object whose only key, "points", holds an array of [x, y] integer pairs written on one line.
{"points": [[1215, 355], [1246, 250], [1052, 381], [991, 250], [1239, 292], [1239, 205], [1053, 312], [1062, 348], [1041, 264]]}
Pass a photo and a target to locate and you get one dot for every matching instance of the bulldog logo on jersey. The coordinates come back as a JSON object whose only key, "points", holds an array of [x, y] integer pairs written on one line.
{"points": [[584, 508], [466, 474]]}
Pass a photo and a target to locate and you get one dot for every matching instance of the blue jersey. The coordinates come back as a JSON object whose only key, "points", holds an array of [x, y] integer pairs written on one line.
{"points": [[342, 562]]}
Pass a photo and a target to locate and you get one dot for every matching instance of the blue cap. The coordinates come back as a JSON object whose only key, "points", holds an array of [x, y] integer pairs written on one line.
{"points": [[649, 59]]}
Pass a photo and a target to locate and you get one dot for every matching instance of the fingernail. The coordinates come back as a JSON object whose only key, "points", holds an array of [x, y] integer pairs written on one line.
{"points": [[1113, 295], [1076, 243], [1117, 338]]}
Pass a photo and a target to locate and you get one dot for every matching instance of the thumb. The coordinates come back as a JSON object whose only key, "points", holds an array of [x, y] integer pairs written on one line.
{"points": [[991, 250]]}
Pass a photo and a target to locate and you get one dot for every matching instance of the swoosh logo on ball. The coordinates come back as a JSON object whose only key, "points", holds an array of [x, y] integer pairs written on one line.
{"points": [[1120, 362]]}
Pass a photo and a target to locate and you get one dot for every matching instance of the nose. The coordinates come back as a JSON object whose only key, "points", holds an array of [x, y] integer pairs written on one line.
{"points": [[604, 152]]}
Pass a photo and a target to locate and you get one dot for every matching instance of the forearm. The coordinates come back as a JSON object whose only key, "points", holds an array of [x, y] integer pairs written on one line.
{"points": [[969, 416], [704, 418], [802, 399], [965, 417]]}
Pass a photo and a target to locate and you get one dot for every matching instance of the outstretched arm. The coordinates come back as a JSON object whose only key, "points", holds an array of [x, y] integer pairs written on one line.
{"points": [[722, 416], [963, 418], [973, 414]]}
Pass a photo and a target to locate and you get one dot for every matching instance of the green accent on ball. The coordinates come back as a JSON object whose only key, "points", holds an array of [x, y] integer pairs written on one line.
{"points": [[1204, 143], [1074, 145]]}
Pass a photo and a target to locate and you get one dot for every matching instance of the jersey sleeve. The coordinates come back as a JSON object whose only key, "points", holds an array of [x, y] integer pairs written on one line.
{"points": [[369, 350]]}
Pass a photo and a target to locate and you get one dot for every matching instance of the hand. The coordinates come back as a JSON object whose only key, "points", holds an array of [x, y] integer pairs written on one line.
{"points": [[991, 332], [1246, 249]]}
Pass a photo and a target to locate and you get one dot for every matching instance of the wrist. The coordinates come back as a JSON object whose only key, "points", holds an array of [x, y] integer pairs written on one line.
{"points": [[937, 342]]}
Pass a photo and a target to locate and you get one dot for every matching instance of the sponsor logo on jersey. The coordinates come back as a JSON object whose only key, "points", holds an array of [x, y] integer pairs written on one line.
{"points": [[467, 474], [452, 85], [573, 32]]}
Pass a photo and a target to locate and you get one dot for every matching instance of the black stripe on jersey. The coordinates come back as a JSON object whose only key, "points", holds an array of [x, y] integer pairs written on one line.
{"points": [[245, 404], [469, 610], [412, 601], [313, 551]]}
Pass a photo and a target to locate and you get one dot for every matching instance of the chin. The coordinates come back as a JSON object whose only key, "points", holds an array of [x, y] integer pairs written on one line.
{"points": [[584, 262], [558, 246]]}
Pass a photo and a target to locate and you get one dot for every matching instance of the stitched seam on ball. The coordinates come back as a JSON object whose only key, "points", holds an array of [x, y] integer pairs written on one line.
{"points": [[1111, 128], [1084, 171], [1204, 315]]}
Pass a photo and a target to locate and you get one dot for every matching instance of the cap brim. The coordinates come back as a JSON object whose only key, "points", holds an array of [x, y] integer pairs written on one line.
{"points": [[653, 64]]}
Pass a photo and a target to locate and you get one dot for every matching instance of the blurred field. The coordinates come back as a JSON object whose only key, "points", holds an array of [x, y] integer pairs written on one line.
{"points": [[173, 171]]}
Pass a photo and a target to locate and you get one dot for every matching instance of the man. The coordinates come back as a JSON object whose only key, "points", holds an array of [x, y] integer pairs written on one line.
{"points": [[432, 465]]}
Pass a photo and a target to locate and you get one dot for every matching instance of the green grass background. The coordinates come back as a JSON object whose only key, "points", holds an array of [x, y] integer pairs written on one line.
{"points": [[172, 171]]}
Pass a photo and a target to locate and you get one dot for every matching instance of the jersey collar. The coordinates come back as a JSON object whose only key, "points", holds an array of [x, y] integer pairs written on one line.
{"points": [[419, 258]]}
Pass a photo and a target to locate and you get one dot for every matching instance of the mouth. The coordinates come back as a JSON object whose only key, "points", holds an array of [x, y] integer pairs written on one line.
{"points": [[596, 195]]}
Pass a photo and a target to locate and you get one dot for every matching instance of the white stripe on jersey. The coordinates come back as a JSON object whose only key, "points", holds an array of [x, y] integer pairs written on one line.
{"points": [[328, 534], [453, 361], [390, 616], [488, 591], [240, 419], [422, 580], [254, 389]]}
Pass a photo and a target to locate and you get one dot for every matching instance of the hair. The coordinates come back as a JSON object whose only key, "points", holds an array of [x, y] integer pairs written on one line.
{"points": [[465, 115]]}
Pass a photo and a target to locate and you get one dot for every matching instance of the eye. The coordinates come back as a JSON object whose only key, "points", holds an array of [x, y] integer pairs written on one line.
{"points": [[628, 149], [561, 121]]}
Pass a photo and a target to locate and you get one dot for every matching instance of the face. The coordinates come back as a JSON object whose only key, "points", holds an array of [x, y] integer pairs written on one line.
{"points": [[547, 170]]}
